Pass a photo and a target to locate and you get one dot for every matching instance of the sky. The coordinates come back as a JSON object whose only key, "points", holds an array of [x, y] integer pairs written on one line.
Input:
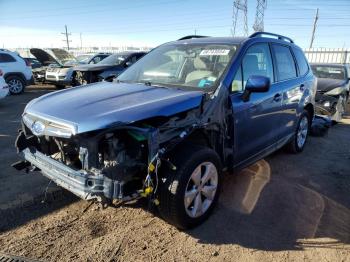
{"points": [[104, 23]]}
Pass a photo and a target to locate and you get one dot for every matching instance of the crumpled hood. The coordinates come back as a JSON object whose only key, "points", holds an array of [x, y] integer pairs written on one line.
{"points": [[327, 84], [100, 105], [92, 67]]}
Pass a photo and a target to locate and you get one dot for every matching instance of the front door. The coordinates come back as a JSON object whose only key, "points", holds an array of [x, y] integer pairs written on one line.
{"points": [[256, 120]]}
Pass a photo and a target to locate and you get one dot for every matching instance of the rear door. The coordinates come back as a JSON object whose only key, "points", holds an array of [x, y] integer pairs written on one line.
{"points": [[255, 121], [291, 86]]}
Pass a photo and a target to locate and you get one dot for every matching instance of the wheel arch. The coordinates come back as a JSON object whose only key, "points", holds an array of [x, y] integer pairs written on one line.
{"points": [[310, 109], [19, 74]]}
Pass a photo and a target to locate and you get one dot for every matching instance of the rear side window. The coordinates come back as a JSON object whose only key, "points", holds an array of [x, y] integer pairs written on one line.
{"points": [[285, 64], [302, 62], [6, 58]]}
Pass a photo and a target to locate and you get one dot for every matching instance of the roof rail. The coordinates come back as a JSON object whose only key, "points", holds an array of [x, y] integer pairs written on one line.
{"points": [[280, 37], [191, 37]]}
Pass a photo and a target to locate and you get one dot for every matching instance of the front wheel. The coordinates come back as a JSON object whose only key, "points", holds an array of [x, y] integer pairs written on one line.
{"points": [[298, 141], [189, 194]]}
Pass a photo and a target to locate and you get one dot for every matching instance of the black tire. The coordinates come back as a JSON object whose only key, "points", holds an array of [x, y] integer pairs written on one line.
{"points": [[16, 84], [175, 183], [293, 146]]}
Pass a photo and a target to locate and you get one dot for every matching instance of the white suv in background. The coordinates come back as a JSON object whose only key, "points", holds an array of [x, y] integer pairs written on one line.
{"points": [[16, 71], [4, 89]]}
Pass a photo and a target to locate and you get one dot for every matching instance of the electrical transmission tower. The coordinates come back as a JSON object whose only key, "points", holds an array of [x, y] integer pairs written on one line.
{"points": [[240, 5], [259, 17]]}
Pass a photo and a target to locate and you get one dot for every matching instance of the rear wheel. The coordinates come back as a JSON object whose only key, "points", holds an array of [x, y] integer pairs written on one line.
{"points": [[298, 141], [16, 84], [190, 193]]}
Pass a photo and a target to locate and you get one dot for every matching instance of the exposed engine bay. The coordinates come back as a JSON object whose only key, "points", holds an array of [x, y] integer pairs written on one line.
{"points": [[87, 77], [127, 156]]}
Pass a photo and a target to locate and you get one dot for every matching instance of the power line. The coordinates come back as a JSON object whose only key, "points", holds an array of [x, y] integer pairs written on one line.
{"points": [[89, 12]]}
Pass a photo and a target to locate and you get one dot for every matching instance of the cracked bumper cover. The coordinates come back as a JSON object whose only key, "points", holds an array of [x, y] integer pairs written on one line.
{"points": [[84, 185]]}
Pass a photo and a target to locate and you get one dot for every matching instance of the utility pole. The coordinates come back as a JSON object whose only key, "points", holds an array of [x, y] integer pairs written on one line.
{"points": [[81, 42], [259, 16], [67, 37], [314, 29], [240, 5]]}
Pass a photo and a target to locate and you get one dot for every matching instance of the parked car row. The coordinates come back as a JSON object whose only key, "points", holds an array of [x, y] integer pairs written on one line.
{"points": [[169, 125]]}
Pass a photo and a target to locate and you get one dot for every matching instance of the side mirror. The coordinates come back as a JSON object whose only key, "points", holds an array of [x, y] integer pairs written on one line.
{"points": [[127, 64], [255, 84]]}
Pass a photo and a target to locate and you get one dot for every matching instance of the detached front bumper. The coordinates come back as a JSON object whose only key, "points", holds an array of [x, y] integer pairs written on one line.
{"points": [[84, 185]]}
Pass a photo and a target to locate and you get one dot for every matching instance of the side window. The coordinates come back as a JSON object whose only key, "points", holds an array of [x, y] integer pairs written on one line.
{"points": [[97, 59], [256, 61], [5, 58], [284, 62], [303, 65]]}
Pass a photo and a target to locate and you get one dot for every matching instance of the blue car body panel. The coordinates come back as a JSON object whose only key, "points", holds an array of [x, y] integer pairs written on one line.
{"points": [[97, 106]]}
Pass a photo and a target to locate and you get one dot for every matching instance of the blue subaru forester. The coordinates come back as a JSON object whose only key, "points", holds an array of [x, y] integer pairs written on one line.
{"points": [[169, 125]]}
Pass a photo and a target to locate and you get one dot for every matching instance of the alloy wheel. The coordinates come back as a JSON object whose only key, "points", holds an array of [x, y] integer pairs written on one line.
{"points": [[15, 86], [201, 189], [302, 131]]}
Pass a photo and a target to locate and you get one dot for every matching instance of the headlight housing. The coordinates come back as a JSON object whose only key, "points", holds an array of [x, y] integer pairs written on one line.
{"points": [[336, 91]]}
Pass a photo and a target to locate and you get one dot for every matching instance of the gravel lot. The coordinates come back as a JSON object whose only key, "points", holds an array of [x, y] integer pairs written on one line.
{"points": [[302, 213]]}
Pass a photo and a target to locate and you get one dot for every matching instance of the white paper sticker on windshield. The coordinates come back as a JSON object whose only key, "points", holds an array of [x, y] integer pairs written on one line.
{"points": [[207, 52]]}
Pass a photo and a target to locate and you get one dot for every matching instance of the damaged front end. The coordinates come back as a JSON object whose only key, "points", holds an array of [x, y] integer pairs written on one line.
{"points": [[120, 162], [330, 106]]}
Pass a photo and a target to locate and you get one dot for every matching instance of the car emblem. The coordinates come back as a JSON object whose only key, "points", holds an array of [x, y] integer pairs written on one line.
{"points": [[38, 128]]}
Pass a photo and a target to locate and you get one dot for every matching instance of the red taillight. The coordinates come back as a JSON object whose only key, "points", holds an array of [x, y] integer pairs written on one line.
{"points": [[27, 62], [1, 73]]}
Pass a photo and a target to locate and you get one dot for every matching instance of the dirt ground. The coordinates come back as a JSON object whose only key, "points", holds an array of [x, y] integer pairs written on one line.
{"points": [[301, 214]]}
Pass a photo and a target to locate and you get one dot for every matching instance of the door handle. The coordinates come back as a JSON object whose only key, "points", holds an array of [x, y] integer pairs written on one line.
{"points": [[277, 97]]}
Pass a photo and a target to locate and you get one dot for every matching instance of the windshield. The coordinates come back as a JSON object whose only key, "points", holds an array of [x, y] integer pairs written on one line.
{"points": [[115, 59], [334, 72], [188, 66], [83, 58]]}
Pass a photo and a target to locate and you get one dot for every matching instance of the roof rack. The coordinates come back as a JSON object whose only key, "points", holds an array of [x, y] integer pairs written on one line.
{"points": [[280, 37], [191, 37]]}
